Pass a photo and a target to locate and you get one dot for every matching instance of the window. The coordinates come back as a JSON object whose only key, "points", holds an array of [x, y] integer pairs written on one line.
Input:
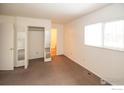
{"points": [[114, 34], [93, 35], [107, 35]]}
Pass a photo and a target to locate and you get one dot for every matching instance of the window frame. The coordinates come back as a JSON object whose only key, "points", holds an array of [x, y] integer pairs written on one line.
{"points": [[85, 36], [103, 32]]}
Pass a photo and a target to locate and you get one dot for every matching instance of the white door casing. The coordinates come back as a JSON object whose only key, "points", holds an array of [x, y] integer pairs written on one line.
{"points": [[26, 62]]}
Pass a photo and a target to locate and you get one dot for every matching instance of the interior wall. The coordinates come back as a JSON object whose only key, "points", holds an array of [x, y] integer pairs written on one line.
{"points": [[60, 46], [36, 44], [107, 64]]}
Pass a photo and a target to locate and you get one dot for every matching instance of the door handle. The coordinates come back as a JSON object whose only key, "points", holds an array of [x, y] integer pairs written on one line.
{"points": [[11, 49]]}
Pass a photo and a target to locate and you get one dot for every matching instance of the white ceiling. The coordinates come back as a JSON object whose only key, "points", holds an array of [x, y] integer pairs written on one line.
{"points": [[58, 12]]}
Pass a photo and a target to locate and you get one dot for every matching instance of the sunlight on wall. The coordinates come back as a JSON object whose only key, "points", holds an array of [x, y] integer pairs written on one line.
{"points": [[53, 41]]}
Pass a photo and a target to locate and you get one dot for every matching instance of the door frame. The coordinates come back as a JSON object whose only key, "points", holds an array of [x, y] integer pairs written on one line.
{"points": [[26, 63]]}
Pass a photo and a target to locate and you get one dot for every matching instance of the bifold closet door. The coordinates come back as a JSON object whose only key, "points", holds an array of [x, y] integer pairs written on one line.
{"points": [[6, 46], [47, 49]]}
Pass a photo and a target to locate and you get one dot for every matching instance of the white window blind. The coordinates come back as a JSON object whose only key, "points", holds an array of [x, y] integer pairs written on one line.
{"points": [[93, 35], [107, 35], [114, 34]]}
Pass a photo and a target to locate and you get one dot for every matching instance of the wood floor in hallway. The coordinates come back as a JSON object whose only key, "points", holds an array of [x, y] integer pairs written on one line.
{"points": [[60, 71]]}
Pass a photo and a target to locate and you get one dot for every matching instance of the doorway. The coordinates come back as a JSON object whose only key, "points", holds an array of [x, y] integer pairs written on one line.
{"points": [[35, 42], [53, 42]]}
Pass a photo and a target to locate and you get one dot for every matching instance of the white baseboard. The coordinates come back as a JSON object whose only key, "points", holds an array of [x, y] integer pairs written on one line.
{"points": [[4, 68]]}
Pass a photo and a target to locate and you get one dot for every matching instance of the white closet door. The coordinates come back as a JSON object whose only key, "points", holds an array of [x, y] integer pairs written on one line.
{"points": [[6, 46], [47, 55]]}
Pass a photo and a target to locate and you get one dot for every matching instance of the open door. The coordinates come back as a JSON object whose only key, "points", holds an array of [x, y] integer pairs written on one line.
{"points": [[6, 46]]}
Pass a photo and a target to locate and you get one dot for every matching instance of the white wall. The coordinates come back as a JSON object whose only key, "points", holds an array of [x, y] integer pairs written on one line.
{"points": [[107, 64], [7, 19], [36, 44], [60, 46]]}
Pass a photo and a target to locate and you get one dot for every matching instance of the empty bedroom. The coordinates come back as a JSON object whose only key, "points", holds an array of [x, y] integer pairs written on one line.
{"points": [[62, 44]]}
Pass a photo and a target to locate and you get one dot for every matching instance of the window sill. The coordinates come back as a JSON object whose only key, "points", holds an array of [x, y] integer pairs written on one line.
{"points": [[106, 48]]}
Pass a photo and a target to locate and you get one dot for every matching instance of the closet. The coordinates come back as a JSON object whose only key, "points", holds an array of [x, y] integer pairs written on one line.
{"points": [[23, 45]]}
